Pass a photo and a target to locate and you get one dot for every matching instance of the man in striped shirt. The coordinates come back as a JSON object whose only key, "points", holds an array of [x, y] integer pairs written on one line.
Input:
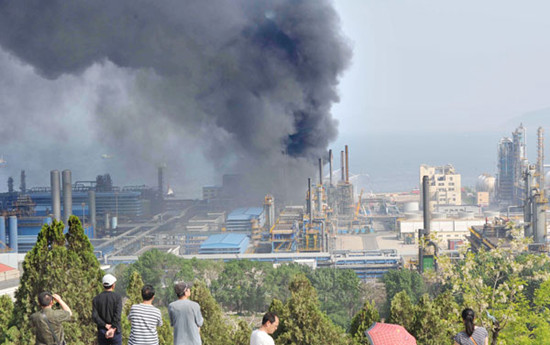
{"points": [[145, 318]]}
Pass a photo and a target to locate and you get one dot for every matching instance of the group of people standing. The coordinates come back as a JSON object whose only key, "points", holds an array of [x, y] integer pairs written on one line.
{"points": [[185, 318]]}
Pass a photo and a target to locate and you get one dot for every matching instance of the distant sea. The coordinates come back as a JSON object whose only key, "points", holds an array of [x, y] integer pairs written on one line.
{"points": [[388, 162]]}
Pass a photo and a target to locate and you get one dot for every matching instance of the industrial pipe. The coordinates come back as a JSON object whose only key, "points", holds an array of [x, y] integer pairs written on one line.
{"points": [[67, 196], [320, 171], [3, 230], [426, 203], [13, 233], [92, 208], [56, 194], [342, 168], [330, 166], [347, 164]]}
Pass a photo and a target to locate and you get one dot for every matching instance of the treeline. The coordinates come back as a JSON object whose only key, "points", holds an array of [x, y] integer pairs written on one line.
{"points": [[508, 287], [248, 287]]}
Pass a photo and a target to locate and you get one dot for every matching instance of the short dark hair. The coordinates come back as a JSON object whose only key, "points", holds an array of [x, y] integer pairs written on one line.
{"points": [[180, 288], [147, 292], [45, 298], [269, 316]]}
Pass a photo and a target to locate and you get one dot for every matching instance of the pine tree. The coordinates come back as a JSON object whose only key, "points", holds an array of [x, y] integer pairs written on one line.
{"points": [[402, 311], [215, 329], [64, 265], [6, 310], [362, 321], [301, 321], [242, 334]]}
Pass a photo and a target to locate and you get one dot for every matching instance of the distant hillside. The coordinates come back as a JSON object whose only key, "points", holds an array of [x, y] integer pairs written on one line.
{"points": [[532, 120]]}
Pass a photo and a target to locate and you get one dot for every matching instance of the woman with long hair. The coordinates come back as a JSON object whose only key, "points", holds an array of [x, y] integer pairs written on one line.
{"points": [[472, 335]]}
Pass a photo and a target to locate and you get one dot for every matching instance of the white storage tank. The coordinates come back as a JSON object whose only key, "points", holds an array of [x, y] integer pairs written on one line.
{"points": [[411, 206]]}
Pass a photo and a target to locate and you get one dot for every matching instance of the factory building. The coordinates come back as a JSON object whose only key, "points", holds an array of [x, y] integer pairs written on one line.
{"points": [[445, 185], [241, 219], [225, 244], [447, 231]]}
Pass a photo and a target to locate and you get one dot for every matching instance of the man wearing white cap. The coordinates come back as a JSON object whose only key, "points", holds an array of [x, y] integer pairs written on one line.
{"points": [[106, 313]]}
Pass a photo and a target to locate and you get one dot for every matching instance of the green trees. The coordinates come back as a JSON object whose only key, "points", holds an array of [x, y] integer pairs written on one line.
{"points": [[338, 292], [63, 264], [494, 284], [301, 322], [362, 321], [240, 285], [215, 329], [431, 322], [6, 309], [409, 281]]}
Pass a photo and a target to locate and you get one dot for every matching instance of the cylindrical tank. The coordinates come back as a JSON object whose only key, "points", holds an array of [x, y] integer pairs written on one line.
{"points": [[114, 222], [91, 204], [67, 196], [56, 194], [411, 206], [3, 230], [13, 233], [485, 183]]}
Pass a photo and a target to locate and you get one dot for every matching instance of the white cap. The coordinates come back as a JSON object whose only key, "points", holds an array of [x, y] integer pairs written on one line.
{"points": [[108, 280]]}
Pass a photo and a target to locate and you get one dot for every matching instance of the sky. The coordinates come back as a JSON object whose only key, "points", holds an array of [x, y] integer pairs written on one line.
{"points": [[453, 66], [433, 82], [440, 82]]}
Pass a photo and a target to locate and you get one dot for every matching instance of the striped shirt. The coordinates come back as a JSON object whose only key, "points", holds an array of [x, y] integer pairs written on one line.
{"points": [[145, 319]]}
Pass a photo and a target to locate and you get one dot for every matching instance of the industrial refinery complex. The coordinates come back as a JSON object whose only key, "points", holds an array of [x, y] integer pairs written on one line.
{"points": [[335, 226], [124, 222]]}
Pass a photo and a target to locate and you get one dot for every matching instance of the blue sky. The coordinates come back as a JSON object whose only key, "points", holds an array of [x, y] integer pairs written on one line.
{"points": [[456, 66]]}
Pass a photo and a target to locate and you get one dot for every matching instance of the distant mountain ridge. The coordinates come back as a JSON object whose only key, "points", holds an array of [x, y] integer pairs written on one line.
{"points": [[532, 119]]}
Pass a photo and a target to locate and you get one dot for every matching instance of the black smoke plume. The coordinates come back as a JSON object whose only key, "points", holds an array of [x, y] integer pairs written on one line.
{"points": [[249, 83]]}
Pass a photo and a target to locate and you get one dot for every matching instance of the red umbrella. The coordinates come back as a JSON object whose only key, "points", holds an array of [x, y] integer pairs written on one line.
{"points": [[389, 334]]}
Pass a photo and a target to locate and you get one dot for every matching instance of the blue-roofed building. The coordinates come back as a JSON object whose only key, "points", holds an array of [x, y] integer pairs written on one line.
{"points": [[225, 244], [240, 219]]}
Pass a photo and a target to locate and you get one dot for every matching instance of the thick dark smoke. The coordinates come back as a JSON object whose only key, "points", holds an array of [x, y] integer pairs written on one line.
{"points": [[248, 83]]}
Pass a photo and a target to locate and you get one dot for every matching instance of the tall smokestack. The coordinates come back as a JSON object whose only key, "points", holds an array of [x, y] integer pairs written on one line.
{"points": [[320, 171], [342, 166], [56, 194], [91, 204], [67, 196], [309, 200], [330, 166], [528, 203], [540, 159], [426, 203], [23, 186], [161, 179], [347, 164]]}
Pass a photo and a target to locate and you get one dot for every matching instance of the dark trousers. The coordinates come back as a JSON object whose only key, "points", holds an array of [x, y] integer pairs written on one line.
{"points": [[101, 340]]}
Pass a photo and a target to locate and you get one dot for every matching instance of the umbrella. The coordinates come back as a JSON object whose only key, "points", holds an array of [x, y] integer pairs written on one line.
{"points": [[389, 334]]}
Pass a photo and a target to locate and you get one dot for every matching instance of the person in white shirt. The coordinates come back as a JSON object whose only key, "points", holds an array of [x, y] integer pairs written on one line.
{"points": [[261, 336]]}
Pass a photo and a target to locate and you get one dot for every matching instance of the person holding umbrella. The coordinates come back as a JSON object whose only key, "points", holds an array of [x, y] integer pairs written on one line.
{"points": [[472, 335]]}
